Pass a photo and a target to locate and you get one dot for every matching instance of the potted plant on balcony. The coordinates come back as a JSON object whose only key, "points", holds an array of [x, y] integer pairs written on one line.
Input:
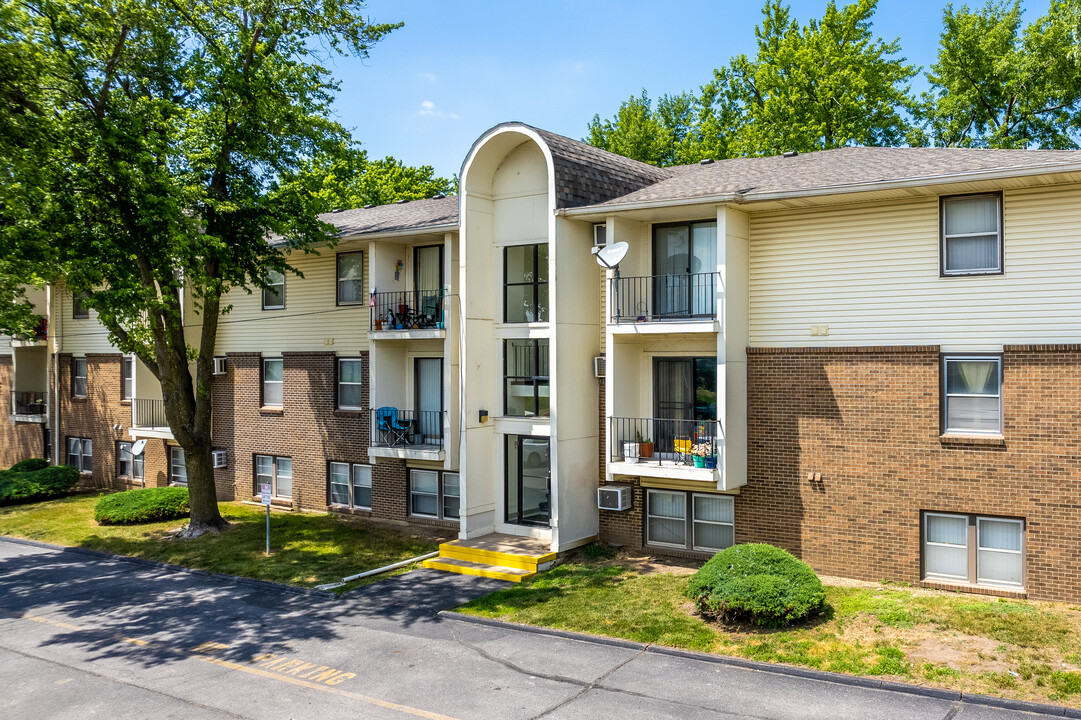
{"points": [[699, 453], [630, 452], [645, 446]]}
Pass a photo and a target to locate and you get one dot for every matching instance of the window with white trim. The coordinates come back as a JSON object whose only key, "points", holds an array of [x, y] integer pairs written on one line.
{"points": [[78, 377], [434, 494], [708, 527], [273, 382], [972, 394], [350, 382], [79, 311], [350, 485], [128, 378], [971, 227], [128, 465], [178, 468], [80, 454], [277, 471], [274, 292], [973, 549], [350, 278]]}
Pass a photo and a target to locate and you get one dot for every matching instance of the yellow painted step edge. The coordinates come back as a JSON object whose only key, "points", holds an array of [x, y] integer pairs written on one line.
{"points": [[480, 572], [525, 562]]}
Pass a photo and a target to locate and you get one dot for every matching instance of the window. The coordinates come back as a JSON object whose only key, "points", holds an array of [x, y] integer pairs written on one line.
{"points": [[79, 311], [80, 452], [972, 393], [709, 527], [350, 382], [351, 485], [274, 292], [971, 234], [128, 465], [272, 382], [350, 278], [525, 278], [277, 472], [434, 494], [78, 377], [525, 371], [128, 379], [973, 549], [178, 469]]}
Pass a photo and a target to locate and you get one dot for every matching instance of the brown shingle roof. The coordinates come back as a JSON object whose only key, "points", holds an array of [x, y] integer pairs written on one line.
{"points": [[413, 215], [828, 170]]}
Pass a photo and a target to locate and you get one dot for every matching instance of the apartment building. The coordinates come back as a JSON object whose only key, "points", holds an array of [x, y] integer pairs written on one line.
{"points": [[868, 356]]}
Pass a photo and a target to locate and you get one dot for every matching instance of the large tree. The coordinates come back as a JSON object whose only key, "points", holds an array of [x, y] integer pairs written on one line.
{"points": [[658, 137], [176, 132], [1000, 84]]}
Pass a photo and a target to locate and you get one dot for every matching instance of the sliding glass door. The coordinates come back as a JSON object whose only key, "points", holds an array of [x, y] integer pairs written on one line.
{"points": [[684, 395], [429, 399], [684, 270]]}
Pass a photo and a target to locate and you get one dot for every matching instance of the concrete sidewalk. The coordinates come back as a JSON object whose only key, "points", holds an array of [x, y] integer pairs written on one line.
{"points": [[107, 637]]}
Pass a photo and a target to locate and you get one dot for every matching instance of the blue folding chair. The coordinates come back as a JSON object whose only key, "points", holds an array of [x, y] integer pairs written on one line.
{"points": [[391, 429]]}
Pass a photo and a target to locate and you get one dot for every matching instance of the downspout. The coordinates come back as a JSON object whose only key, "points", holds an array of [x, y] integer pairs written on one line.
{"points": [[52, 339]]}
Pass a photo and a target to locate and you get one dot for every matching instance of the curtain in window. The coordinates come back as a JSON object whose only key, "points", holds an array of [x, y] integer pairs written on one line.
{"points": [[285, 477], [946, 550], [703, 260], [430, 397], [709, 513], [667, 518], [999, 555], [428, 275], [339, 484], [672, 260], [424, 488], [972, 389], [975, 221]]}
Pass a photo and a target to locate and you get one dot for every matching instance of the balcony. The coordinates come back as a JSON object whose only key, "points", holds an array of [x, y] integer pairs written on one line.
{"points": [[29, 406], [148, 419], [407, 314], [675, 449], [407, 434], [669, 299]]}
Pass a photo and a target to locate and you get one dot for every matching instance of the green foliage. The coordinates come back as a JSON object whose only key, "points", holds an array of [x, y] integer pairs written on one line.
{"points": [[1000, 84], [662, 137], [758, 583], [597, 551], [19, 486], [30, 465], [142, 506]]}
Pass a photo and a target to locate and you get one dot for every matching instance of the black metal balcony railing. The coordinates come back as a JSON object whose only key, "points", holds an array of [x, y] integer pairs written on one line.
{"points": [[392, 427], [408, 310], [29, 402], [665, 442], [663, 297], [149, 413]]}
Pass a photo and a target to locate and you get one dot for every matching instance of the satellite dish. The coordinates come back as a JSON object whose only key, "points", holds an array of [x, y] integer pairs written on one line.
{"points": [[610, 256], [138, 446]]}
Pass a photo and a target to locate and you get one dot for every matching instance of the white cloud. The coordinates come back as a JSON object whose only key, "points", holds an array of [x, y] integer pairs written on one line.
{"points": [[429, 77], [427, 107]]}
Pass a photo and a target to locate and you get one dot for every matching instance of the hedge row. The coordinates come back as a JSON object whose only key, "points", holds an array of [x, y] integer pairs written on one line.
{"points": [[22, 483], [140, 506]]}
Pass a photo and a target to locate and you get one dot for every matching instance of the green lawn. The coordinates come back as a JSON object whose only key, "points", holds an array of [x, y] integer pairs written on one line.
{"points": [[306, 549], [1020, 649]]}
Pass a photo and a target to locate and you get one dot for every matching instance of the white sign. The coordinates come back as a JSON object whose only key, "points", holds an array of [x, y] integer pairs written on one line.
{"points": [[264, 490]]}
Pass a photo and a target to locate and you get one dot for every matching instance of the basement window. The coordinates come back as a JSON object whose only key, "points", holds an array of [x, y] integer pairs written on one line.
{"points": [[973, 549]]}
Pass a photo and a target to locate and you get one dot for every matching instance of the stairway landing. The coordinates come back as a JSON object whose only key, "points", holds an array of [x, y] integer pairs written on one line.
{"points": [[499, 555]]}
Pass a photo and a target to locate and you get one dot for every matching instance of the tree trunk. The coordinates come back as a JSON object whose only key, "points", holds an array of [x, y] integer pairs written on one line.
{"points": [[202, 494]]}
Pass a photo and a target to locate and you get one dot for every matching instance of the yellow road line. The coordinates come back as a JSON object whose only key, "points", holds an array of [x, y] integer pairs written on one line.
{"points": [[245, 669]]}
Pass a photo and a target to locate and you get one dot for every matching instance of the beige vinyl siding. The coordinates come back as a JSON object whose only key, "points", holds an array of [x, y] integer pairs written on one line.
{"points": [[871, 273], [80, 337], [311, 316]]}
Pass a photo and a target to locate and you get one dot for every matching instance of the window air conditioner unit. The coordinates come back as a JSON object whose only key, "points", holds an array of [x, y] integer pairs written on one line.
{"points": [[600, 232], [614, 497], [220, 457], [598, 366], [219, 366]]}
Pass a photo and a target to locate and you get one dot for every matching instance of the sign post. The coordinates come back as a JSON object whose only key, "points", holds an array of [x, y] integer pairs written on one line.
{"points": [[264, 492]]}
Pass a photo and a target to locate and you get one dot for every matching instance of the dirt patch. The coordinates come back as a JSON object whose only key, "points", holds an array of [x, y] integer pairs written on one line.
{"points": [[966, 653]]}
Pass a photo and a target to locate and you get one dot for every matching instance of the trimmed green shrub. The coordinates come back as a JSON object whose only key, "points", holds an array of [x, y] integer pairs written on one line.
{"points": [[26, 486], [30, 465], [756, 583], [141, 506]]}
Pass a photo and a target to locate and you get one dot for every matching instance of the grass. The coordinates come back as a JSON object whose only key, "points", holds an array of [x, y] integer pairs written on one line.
{"points": [[1011, 648], [306, 549]]}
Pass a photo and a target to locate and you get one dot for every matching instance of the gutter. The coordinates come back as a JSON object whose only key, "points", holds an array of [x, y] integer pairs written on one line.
{"points": [[719, 198]]}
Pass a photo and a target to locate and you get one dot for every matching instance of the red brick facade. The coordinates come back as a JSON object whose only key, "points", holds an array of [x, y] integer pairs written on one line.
{"points": [[18, 441], [104, 417], [866, 421]]}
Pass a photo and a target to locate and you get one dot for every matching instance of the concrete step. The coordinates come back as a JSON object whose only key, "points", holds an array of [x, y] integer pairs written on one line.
{"points": [[477, 551], [466, 567]]}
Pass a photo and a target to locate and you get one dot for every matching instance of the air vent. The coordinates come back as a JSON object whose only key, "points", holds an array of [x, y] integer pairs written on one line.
{"points": [[600, 235], [614, 497], [598, 366], [220, 458]]}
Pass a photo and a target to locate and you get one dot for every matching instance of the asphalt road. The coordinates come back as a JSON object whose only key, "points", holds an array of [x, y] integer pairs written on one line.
{"points": [[93, 637]]}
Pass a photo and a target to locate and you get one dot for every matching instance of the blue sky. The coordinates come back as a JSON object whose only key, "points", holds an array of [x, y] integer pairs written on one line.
{"points": [[457, 68]]}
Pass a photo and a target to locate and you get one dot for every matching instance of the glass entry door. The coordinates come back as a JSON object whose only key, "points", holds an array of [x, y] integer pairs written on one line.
{"points": [[528, 480], [429, 399]]}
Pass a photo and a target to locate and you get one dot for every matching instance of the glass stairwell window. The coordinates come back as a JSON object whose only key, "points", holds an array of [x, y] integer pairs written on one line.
{"points": [[973, 395]]}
